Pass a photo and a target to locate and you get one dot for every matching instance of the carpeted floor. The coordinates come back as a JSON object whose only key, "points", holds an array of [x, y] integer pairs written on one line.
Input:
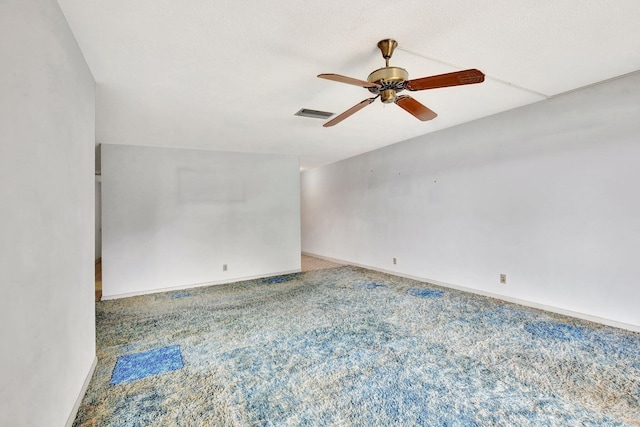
{"points": [[352, 347]]}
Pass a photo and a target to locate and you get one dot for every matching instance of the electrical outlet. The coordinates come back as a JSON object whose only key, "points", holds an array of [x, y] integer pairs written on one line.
{"points": [[224, 267], [503, 279], [395, 261]]}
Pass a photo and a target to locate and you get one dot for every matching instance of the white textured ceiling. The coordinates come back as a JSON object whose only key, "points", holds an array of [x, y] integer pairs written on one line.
{"points": [[229, 75]]}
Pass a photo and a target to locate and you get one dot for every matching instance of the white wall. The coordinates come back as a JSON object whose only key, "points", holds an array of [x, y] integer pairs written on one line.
{"points": [[172, 217], [47, 321], [547, 194]]}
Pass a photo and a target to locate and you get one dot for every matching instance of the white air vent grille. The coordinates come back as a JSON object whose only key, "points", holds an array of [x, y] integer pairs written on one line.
{"points": [[305, 112]]}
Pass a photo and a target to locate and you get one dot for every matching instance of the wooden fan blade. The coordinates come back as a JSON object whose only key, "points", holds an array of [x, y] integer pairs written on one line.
{"points": [[412, 106], [349, 112], [457, 78], [348, 80]]}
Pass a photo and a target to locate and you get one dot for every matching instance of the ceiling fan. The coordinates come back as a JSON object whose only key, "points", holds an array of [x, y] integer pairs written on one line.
{"points": [[388, 81]]}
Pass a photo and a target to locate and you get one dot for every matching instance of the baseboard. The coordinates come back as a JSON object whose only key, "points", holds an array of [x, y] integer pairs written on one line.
{"points": [[552, 309], [85, 385], [196, 285]]}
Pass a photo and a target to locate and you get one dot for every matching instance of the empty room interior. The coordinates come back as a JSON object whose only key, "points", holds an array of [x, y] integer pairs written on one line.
{"points": [[276, 243]]}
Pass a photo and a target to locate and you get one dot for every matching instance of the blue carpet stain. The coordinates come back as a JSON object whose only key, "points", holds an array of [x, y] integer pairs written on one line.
{"points": [[278, 279], [135, 366], [141, 408], [554, 330], [425, 293], [374, 285], [181, 295], [610, 344]]}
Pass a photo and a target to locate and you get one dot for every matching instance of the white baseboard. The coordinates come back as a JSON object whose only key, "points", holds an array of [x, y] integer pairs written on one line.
{"points": [[583, 316], [196, 285], [85, 385]]}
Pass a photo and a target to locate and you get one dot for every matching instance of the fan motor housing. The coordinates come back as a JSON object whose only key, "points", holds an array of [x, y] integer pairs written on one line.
{"points": [[389, 79], [388, 74]]}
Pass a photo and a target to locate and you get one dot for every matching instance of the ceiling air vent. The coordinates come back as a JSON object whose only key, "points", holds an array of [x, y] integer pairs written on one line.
{"points": [[305, 112]]}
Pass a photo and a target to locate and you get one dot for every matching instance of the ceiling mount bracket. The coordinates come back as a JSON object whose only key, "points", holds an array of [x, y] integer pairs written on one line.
{"points": [[387, 46]]}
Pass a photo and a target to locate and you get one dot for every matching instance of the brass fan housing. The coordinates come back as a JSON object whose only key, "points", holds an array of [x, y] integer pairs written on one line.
{"points": [[388, 74], [388, 78]]}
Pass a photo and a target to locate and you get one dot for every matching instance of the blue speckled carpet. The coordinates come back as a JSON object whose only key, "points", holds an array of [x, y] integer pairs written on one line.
{"points": [[352, 347]]}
